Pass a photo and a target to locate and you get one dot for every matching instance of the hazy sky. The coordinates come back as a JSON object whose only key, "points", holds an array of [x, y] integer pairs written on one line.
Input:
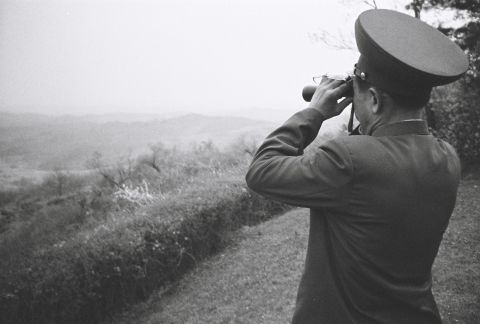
{"points": [[65, 56]]}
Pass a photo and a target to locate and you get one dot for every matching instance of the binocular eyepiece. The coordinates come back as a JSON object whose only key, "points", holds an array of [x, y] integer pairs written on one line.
{"points": [[309, 90]]}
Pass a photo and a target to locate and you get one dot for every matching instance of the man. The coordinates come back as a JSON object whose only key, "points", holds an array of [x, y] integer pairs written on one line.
{"points": [[381, 201]]}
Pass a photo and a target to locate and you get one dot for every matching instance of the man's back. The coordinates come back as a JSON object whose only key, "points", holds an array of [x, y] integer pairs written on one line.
{"points": [[379, 206], [380, 244]]}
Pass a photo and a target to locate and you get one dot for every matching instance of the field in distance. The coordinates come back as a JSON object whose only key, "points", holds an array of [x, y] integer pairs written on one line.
{"points": [[32, 145]]}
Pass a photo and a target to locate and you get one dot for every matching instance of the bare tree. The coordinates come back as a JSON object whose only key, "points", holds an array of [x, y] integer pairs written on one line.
{"points": [[246, 144], [96, 162], [339, 41], [156, 157], [115, 175], [59, 179], [125, 169]]}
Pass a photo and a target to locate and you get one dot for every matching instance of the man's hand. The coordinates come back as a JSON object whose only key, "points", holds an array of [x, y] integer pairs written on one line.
{"points": [[325, 97]]}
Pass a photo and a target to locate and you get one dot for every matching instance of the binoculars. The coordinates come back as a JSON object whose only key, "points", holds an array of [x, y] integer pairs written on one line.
{"points": [[309, 90]]}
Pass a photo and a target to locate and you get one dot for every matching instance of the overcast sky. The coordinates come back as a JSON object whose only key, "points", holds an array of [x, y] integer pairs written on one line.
{"points": [[99, 56]]}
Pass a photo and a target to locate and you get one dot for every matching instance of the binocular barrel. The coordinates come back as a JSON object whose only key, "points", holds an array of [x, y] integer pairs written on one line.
{"points": [[308, 91]]}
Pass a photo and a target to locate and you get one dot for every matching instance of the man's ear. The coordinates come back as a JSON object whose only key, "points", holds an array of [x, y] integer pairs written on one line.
{"points": [[376, 100]]}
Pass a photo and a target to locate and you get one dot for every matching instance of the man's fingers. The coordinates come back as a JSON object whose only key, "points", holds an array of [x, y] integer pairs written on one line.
{"points": [[341, 90], [335, 83], [326, 84], [328, 92]]}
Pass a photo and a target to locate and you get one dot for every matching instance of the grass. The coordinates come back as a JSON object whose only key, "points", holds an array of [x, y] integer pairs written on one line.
{"points": [[255, 280], [456, 270]]}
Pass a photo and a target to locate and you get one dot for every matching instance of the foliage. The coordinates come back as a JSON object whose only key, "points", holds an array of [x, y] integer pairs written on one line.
{"points": [[466, 36], [453, 111], [457, 120]]}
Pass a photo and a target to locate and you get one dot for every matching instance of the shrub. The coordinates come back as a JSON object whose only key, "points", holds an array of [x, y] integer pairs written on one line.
{"points": [[455, 117], [133, 196], [129, 255]]}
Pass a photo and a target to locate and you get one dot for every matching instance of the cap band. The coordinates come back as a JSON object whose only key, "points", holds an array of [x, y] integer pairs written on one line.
{"points": [[391, 81]]}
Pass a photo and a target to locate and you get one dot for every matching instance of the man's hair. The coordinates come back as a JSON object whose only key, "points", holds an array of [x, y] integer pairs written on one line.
{"points": [[412, 102]]}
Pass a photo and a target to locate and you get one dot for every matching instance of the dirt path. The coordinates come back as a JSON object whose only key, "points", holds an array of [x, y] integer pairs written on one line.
{"points": [[256, 279]]}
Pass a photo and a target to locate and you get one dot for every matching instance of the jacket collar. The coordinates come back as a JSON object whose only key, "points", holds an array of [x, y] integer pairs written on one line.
{"points": [[405, 127]]}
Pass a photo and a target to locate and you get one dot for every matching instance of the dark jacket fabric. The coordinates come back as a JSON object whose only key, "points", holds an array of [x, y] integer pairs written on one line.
{"points": [[379, 206]]}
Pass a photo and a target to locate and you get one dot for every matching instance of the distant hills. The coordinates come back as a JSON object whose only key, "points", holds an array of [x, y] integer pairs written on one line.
{"points": [[38, 141]]}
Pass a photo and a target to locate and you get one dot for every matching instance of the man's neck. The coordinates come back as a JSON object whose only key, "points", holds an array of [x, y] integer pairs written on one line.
{"points": [[398, 114], [395, 117]]}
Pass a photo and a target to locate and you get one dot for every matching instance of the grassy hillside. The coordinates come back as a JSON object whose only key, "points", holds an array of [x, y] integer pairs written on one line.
{"points": [[256, 279], [77, 247]]}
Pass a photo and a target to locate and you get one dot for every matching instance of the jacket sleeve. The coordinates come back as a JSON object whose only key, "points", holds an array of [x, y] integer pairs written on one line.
{"points": [[280, 171]]}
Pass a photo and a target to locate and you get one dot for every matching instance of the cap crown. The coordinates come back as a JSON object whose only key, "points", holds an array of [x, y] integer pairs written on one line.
{"points": [[406, 52]]}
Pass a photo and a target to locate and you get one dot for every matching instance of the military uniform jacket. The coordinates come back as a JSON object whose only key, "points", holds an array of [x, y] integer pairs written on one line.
{"points": [[379, 206]]}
